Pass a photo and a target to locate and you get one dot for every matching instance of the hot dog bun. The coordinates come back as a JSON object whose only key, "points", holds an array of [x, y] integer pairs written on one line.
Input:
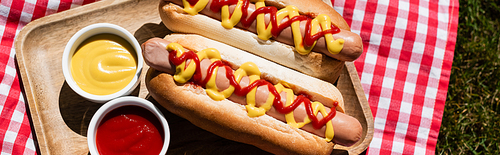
{"points": [[319, 90], [314, 64], [230, 120]]}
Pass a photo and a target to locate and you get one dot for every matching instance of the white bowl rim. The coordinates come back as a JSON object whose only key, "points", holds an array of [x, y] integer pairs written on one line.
{"points": [[120, 102], [66, 59]]}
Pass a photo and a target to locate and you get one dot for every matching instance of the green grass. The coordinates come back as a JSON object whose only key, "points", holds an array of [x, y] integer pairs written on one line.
{"points": [[471, 121]]}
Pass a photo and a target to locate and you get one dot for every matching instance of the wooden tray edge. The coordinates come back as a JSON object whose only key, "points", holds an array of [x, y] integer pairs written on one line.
{"points": [[353, 74]]}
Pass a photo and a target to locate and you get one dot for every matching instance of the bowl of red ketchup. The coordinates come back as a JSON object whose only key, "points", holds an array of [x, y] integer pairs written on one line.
{"points": [[128, 125]]}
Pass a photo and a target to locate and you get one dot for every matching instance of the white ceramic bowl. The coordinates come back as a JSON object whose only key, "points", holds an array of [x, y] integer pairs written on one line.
{"points": [[119, 102], [90, 31]]}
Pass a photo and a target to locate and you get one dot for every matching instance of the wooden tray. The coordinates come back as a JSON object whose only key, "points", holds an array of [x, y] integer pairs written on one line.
{"points": [[60, 117]]}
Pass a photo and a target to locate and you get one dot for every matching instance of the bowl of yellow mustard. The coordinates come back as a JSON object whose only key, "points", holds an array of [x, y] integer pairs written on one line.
{"points": [[102, 61]]}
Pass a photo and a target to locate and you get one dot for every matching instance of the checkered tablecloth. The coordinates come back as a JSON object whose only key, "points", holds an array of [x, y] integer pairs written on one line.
{"points": [[404, 70]]}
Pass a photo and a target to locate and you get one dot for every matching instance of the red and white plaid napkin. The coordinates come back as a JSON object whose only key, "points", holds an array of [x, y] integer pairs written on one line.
{"points": [[405, 68]]}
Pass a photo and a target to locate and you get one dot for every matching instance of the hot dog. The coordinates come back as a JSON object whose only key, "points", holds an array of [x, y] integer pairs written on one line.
{"points": [[232, 118], [288, 47]]}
